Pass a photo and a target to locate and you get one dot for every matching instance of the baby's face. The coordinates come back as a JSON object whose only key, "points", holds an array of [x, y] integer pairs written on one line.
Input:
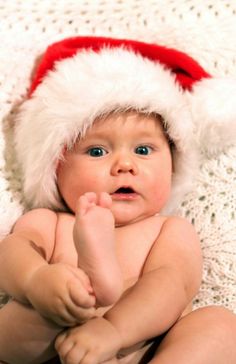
{"points": [[126, 155]]}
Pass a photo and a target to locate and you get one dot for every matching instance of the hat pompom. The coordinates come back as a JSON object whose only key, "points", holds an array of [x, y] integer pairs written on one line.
{"points": [[213, 108]]}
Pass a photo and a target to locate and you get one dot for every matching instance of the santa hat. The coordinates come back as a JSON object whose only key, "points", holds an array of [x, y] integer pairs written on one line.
{"points": [[213, 108], [82, 78]]}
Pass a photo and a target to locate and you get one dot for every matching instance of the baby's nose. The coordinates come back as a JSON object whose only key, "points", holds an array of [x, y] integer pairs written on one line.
{"points": [[124, 164]]}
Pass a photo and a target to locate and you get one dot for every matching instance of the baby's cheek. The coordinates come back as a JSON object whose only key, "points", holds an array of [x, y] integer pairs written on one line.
{"points": [[162, 196]]}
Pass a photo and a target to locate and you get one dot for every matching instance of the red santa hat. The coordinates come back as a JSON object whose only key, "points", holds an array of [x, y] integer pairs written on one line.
{"points": [[81, 78]]}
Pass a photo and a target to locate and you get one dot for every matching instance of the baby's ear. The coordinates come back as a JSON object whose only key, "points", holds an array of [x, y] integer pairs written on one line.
{"points": [[213, 109]]}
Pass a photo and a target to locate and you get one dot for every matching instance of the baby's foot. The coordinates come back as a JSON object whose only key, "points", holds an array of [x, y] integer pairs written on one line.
{"points": [[95, 243]]}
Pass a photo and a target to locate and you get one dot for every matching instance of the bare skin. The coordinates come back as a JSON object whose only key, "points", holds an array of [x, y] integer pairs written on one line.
{"points": [[131, 271], [159, 259], [96, 247], [101, 338]]}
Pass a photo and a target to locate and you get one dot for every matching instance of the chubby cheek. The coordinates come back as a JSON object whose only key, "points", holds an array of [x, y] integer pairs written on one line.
{"points": [[159, 191], [67, 183], [74, 182], [162, 196]]}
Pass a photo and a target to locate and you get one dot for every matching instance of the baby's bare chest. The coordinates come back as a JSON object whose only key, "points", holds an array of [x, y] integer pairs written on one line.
{"points": [[133, 244]]}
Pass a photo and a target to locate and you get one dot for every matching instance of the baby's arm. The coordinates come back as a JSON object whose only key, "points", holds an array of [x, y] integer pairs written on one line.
{"points": [[25, 336], [170, 279], [28, 248], [58, 291]]}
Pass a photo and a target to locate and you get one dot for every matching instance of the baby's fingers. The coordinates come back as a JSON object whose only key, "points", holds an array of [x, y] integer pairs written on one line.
{"points": [[67, 349], [81, 315], [80, 305], [80, 296], [65, 319], [60, 340], [81, 277]]}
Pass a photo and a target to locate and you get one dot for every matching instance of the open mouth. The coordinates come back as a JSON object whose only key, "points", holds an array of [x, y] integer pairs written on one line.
{"points": [[124, 193], [125, 190]]}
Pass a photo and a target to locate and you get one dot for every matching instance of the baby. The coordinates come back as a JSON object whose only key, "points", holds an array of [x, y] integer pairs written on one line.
{"points": [[96, 268]]}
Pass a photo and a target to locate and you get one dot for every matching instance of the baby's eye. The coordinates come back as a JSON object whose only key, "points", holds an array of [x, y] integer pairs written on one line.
{"points": [[143, 150], [97, 152]]}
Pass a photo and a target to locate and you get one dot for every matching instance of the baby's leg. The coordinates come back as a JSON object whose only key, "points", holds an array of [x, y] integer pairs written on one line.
{"points": [[25, 336], [95, 242], [205, 336]]}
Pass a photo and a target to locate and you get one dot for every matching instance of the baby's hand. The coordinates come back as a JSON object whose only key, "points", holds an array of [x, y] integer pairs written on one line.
{"points": [[97, 341], [61, 293]]}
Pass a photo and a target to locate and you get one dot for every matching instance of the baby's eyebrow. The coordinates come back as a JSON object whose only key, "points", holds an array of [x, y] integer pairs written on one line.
{"points": [[94, 139]]}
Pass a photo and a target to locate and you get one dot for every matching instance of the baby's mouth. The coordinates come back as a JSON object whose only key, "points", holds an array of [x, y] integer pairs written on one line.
{"points": [[124, 193], [125, 190]]}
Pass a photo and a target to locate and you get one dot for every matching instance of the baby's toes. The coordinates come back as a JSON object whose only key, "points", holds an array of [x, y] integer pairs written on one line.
{"points": [[85, 202], [105, 200], [91, 197]]}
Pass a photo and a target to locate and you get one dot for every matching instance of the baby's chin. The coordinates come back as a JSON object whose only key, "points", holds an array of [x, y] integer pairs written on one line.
{"points": [[125, 220]]}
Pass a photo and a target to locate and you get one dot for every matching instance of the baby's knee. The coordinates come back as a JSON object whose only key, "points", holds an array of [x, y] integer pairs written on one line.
{"points": [[219, 321]]}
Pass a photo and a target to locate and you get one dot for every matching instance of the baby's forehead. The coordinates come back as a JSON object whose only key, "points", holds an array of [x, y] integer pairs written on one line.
{"points": [[135, 121]]}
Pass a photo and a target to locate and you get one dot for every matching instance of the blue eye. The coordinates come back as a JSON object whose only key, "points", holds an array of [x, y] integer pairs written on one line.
{"points": [[143, 150], [96, 152]]}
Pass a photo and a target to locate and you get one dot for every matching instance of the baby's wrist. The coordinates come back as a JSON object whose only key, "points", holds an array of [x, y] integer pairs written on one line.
{"points": [[30, 286], [117, 333]]}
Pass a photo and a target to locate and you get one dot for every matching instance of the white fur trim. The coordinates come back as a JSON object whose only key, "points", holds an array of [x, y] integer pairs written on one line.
{"points": [[213, 107], [80, 89]]}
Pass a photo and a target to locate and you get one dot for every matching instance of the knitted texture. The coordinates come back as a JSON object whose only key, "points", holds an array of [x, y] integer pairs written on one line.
{"points": [[211, 208], [206, 30]]}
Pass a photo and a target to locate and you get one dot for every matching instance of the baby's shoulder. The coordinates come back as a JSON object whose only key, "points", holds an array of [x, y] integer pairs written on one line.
{"points": [[177, 223], [173, 231], [38, 226], [36, 219]]}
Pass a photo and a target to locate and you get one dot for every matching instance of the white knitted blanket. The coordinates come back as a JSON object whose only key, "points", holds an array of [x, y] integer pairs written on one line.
{"points": [[205, 29]]}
